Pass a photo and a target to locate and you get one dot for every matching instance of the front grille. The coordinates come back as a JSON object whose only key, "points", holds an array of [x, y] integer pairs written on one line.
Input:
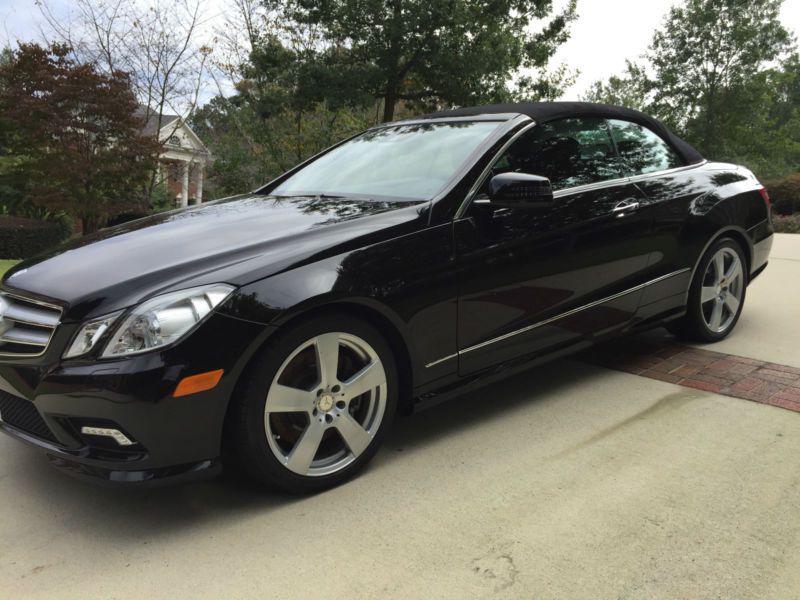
{"points": [[22, 414], [26, 326]]}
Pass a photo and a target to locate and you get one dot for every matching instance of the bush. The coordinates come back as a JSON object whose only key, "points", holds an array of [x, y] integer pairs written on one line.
{"points": [[785, 194], [788, 224], [22, 238]]}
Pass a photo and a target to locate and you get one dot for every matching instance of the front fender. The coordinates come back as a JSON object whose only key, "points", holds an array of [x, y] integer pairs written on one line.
{"points": [[407, 283]]}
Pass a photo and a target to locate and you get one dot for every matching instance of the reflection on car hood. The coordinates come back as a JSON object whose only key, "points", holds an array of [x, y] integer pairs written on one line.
{"points": [[118, 266]]}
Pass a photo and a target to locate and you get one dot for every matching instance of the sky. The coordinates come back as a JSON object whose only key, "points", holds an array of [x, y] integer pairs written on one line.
{"points": [[609, 31], [605, 34]]}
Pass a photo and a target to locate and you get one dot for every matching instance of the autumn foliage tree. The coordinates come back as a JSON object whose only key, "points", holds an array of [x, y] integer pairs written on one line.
{"points": [[70, 137]]}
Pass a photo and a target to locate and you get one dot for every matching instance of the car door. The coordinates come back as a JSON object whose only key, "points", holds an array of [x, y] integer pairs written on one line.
{"points": [[671, 186], [533, 280]]}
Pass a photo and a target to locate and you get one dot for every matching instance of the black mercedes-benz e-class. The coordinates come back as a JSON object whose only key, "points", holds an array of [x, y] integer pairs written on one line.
{"points": [[282, 330]]}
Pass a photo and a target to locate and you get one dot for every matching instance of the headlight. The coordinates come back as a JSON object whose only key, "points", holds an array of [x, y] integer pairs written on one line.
{"points": [[165, 319], [157, 322], [90, 334]]}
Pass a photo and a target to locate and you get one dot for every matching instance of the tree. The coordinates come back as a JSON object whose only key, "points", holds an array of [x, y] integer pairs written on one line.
{"points": [[706, 54], [628, 89], [250, 149], [424, 53], [302, 84], [269, 124], [722, 73], [155, 43], [75, 133]]}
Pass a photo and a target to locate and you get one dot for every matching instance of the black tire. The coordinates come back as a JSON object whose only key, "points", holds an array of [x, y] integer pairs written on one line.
{"points": [[693, 326], [247, 439]]}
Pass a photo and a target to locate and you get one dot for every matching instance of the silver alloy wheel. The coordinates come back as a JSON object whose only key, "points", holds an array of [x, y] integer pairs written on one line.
{"points": [[721, 294], [325, 404]]}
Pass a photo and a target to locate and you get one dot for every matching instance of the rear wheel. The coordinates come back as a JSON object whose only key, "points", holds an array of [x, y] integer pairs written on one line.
{"points": [[717, 294], [316, 405]]}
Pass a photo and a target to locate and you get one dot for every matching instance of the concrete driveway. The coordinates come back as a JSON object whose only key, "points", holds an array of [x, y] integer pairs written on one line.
{"points": [[570, 481]]}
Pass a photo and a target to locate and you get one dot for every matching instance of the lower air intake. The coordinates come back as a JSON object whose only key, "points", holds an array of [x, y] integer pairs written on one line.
{"points": [[22, 414]]}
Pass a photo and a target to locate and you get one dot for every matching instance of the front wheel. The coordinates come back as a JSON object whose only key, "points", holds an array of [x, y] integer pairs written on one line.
{"points": [[717, 294], [316, 405]]}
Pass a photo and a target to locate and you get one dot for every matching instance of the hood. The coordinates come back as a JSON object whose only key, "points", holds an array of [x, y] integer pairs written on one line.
{"points": [[236, 240]]}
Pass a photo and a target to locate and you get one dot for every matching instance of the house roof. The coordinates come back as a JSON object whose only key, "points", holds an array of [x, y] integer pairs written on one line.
{"points": [[151, 125], [542, 112]]}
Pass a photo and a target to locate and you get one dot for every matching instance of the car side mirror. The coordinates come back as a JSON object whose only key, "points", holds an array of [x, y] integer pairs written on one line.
{"points": [[520, 190]]}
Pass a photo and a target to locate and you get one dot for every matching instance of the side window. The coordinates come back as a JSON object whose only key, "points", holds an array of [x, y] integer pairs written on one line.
{"points": [[570, 152], [641, 150]]}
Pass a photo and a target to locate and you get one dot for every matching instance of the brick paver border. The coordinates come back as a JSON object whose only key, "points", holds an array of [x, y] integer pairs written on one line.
{"points": [[737, 376]]}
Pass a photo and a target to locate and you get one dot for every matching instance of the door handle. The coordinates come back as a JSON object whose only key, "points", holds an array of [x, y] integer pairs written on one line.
{"points": [[624, 207]]}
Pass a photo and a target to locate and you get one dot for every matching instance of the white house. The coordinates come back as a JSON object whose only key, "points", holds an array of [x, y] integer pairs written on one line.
{"points": [[184, 159]]}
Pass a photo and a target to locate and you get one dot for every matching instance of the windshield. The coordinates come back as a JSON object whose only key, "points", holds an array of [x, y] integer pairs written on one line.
{"points": [[412, 161]]}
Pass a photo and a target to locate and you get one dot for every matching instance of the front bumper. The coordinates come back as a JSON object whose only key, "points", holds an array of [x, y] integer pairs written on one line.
{"points": [[77, 465], [46, 405]]}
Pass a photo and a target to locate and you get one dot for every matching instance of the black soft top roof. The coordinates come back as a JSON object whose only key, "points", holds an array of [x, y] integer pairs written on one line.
{"points": [[542, 112]]}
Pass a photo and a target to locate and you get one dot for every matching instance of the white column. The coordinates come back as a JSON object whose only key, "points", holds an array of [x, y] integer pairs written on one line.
{"points": [[199, 184], [185, 185]]}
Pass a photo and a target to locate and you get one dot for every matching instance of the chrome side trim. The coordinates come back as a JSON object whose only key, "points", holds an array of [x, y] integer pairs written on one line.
{"points": [[441, 360], [572, 312], [588, 187], [635, 178], [620, 180]]}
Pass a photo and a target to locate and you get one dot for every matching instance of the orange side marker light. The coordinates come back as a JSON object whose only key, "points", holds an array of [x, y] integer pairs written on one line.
{"points": [[197, 383]]}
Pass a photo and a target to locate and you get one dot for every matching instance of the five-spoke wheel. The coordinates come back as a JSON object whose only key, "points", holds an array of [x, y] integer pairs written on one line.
{"points": [[723, 287], [317, 402], [325, 403], [716, 296]]}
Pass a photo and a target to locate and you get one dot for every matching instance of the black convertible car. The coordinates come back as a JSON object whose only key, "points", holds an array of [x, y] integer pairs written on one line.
{"points": [[282, 330]]}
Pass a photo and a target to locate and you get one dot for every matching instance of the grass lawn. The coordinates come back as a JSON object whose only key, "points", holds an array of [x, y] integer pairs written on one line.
{"points": [[6, 264]]}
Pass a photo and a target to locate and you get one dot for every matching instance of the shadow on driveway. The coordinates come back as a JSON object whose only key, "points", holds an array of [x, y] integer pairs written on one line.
{"points": [[137, 514]]}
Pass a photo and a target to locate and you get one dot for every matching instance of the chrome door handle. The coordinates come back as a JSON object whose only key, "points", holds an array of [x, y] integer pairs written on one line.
{"points": [[625, 206]]}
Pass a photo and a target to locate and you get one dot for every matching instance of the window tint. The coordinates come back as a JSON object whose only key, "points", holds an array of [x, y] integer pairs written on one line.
{"points": [[641, 150], [569, 152]]}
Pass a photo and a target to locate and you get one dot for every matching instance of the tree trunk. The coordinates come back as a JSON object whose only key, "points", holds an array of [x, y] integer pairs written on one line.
{"points": [[710, 128], [389, 100], [89, 224], [393, 79]]}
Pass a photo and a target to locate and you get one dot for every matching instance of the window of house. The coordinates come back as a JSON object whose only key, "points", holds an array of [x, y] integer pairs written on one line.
{"points": [[641, 150], [569, 152]]}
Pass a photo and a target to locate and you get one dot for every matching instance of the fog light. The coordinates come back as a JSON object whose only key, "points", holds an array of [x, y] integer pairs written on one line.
{"points": [[114, 434]]}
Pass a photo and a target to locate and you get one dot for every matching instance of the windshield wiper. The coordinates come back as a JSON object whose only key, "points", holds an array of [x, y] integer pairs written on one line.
{"points": [[319, 196]]}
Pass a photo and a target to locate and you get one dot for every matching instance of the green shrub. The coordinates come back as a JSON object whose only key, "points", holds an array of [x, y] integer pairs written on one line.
{"points": [[787, 224], [22, 238], [785, 194]]}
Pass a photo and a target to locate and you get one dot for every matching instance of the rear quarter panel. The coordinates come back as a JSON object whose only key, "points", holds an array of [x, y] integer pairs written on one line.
{"points": [[694, 207]]}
